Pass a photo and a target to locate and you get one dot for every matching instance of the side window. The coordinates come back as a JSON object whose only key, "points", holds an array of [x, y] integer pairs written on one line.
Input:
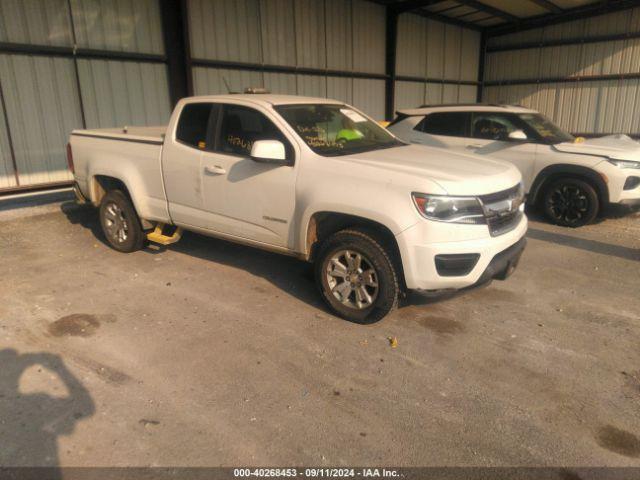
{"points": [[491, 126], [241, 126], [452, 124], [196, 124]]}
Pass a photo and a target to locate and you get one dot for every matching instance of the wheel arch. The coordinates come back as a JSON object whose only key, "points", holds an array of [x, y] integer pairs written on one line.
{"points": [[323, 224], [101, 184], [554, 172]]}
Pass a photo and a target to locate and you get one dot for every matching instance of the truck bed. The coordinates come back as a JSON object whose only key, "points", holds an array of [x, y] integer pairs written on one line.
{"points": [[132, 155], [139, 134]]}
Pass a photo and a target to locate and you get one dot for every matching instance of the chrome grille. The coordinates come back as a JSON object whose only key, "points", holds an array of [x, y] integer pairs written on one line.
{"points": [[502, 209]]}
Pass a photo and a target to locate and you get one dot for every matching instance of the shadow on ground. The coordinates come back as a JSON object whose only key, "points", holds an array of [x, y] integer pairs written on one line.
{"points": [[289, 274], [31, 422]]}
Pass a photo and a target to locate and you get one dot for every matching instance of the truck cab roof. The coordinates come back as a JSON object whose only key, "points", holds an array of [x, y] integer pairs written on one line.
{"points": [[266, 99]]}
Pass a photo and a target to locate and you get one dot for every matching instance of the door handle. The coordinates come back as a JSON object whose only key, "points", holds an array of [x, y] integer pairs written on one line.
{"points": [[215, 170], [474, 146]]}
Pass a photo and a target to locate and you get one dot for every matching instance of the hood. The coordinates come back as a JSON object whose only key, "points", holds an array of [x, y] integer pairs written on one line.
{"points": [[455, 173], [619, 147]]}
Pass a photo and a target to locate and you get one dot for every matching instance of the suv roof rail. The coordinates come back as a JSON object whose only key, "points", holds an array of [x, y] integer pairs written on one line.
{"points": [[256, 90], [465, 105]]}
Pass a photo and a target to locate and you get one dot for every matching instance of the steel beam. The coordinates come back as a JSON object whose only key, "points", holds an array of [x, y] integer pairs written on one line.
{"points": [[391, 47], [174, 45]]}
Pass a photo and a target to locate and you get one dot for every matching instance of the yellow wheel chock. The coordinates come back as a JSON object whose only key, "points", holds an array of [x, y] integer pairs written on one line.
{"points": [[158, 236]]}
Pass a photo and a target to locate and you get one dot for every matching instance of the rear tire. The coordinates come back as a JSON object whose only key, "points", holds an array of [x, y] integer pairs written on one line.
{"points": [[356, 276], [120, 222], [570, 202]]}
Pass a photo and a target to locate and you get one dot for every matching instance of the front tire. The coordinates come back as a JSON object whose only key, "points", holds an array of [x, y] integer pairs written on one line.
{"points": [[356, 277], [570, 202], [120, 222]]}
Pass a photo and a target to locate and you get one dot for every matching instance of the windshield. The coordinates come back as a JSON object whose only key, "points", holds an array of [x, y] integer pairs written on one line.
{"points": [[545, 128], [332, 130]]}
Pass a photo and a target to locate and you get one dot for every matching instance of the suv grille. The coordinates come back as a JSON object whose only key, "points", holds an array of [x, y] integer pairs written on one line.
{"points": [[502, 209]]}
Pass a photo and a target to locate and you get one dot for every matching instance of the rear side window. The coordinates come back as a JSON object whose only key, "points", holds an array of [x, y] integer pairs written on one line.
{"points": [[241, 126], [452, 124], [195, 126], [493, 126]]}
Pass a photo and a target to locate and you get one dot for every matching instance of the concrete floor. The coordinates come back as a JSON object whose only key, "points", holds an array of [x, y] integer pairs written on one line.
{"points": [[209, 353]]}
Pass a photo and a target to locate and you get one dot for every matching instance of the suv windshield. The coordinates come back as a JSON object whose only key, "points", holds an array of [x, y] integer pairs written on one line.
{"points": [[332, 130], [545, 128]]}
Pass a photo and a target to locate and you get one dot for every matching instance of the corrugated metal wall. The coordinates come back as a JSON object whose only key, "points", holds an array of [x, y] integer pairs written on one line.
{"points": [[587, 106], [40, 93], [436, 51], [346, 35], [339, 42]]}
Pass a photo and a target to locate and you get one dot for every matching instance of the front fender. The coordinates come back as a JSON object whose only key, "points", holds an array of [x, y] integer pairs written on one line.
{"points": [[560, 169]]}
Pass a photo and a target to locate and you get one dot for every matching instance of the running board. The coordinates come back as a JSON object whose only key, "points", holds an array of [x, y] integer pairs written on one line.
{"points": [[157, 236]]}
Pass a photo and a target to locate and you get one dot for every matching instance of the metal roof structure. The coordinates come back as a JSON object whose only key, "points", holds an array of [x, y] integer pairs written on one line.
{"points": [[498, 17]]}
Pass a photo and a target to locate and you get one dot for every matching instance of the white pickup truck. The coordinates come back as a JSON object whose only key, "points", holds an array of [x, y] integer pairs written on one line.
{"points": [[313, 178]]}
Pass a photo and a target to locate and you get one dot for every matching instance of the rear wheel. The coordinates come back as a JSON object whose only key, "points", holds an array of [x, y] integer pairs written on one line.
{"points": [[120, 222], [570, 202], [356, 277]]}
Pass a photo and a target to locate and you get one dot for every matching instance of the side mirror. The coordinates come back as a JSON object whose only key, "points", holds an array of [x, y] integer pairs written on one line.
{"points": [[268, 151], [517, 135]]}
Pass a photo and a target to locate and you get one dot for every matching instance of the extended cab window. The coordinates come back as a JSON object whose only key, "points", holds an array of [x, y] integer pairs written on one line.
{"points": [[452, 124], [241, 126], [195, 127]]}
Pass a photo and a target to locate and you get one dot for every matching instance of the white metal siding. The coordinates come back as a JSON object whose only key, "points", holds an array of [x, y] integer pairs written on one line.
{"points": [[414, 94], [42, 22], [310, 33], [225, 30], [431, 49], [43, 107], [41, 92], [368, 36], [121, 25], [346, 35], [123, 93], [7, 175], [587, 106], [366, 94]]}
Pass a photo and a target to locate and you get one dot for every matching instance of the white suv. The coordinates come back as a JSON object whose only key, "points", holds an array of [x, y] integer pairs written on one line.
{"points": [[571, 178]]}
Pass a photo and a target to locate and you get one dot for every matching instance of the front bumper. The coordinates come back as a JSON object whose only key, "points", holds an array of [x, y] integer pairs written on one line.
{"points": [[419, 245]]}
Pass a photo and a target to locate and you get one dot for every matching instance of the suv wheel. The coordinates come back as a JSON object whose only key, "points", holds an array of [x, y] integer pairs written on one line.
{"points": [[356, 277], [570, 202], [120, 222]]}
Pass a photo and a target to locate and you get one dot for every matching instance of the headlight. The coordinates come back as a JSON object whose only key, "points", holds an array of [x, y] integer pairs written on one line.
{"points": [[449, 209], [624, 163]]}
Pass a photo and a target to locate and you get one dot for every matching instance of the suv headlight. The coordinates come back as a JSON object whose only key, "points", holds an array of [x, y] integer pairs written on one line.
{"points": [[442, 208], [624, 163]]}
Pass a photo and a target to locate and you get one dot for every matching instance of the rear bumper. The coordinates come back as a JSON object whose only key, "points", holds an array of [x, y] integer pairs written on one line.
{"points": [[80, 198]]}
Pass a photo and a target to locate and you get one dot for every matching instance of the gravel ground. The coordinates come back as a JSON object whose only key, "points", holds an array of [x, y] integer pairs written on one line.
{"points": [[208, 353]]}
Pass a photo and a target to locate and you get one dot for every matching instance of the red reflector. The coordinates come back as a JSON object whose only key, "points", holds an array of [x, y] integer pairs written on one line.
{"points": [[420, 202], [70, 158]]}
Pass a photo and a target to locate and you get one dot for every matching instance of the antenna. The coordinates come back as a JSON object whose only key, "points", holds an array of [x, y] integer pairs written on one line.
{"points": [[229, 91]]}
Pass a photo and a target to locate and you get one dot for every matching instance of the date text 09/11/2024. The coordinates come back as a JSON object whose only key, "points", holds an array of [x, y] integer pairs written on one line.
{"points": [[316, 472]]}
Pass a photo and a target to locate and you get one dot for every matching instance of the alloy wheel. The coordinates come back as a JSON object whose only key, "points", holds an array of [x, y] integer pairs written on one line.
{"points": [[568, 203], [116, 223], [352, 279]]}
